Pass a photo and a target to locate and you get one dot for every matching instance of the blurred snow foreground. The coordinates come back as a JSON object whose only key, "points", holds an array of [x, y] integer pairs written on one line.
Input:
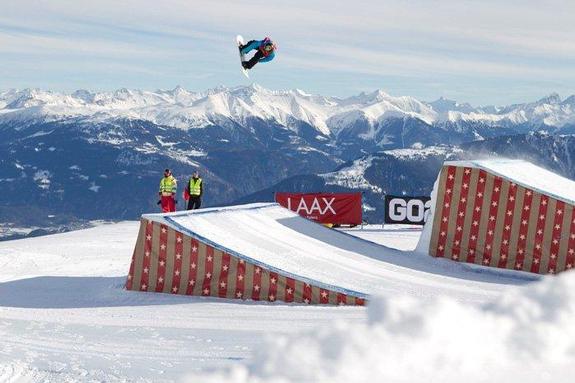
{"points": [[528, 335]]}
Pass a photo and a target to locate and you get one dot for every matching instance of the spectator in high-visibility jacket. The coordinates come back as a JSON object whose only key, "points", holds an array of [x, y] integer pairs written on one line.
{"points": [[168, 188], [195, 190]]}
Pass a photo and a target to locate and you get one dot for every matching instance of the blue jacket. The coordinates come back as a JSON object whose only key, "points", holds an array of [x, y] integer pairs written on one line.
{"points": [[255, 44]]}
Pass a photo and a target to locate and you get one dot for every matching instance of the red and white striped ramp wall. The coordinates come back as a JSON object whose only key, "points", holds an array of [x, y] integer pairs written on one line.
{"points": [[505, 214], [244, 252]]}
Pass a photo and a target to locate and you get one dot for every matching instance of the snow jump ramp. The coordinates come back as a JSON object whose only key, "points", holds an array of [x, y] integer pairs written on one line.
{"points": [[268, 253], [507, 214]]}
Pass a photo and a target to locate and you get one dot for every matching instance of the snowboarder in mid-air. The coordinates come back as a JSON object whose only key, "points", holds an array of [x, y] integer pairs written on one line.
{"points": [[265, 51]]}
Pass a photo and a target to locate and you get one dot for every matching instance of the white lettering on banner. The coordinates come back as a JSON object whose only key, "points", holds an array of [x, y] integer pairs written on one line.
{"points": [[397, 210], [414, 210], [315, 206]]}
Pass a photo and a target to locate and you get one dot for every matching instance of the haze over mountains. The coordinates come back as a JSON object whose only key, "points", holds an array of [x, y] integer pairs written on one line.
{"points": [[88, 155]]}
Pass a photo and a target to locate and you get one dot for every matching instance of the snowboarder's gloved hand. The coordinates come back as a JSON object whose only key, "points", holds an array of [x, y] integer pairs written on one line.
{"points": [[159, 202]]}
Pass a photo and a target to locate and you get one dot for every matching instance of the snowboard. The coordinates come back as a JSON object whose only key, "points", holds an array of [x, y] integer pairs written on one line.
{"points": [[240, 41]]}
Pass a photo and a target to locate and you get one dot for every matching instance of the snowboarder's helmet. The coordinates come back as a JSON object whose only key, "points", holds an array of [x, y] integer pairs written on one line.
{"points": [[167, 172]]}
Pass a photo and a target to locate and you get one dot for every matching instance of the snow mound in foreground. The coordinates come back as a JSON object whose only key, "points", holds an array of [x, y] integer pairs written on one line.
{"points": [[528, 335]]}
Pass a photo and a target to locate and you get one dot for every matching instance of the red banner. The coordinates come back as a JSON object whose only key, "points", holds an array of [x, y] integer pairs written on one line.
{"points": [[336, 208]]}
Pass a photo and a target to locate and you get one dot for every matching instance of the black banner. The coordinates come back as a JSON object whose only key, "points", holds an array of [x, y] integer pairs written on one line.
{"points": [[406, 210]]}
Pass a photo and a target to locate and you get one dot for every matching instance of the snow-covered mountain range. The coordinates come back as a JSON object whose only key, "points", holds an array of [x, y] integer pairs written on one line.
{"points": [[100, 155], [329, 115]]}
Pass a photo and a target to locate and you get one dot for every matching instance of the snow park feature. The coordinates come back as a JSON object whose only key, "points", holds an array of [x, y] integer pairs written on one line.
{"points": [[184, 254], [507, 214], [265, 252]]}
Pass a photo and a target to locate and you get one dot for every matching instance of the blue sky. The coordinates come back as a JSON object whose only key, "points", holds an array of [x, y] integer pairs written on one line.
{"points": [[481, 52]]}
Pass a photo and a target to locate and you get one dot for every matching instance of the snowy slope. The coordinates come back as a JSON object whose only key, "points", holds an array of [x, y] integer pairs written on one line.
{"points": [[64, 315]]}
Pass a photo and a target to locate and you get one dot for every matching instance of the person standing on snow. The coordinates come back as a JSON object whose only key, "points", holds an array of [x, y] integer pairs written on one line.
{"points": [[265, 51], [194, 191], [168, 187]]}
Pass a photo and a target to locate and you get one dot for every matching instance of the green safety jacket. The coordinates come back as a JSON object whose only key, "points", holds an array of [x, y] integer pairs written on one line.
{"points": [[195, 186], [168, 185]]}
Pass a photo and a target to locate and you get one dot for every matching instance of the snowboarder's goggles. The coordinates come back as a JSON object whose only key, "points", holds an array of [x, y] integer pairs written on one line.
{"points": [[268, 47]]}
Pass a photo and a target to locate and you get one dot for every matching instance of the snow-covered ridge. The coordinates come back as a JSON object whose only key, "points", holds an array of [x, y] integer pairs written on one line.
{"points": [[185, 109]]}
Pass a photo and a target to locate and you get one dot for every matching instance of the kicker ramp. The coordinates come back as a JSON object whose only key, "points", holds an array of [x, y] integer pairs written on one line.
{"points": [[266, 252]]}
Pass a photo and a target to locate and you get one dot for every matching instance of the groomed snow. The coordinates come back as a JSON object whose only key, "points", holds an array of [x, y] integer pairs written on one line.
{"points": [[65, 317], [278, 239]]}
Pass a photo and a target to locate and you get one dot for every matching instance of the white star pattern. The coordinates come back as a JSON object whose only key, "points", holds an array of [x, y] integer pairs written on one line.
{"points": [[225, 267], [240, 277], [289, 291], [239, 294], [208, 275], [536, 261], [440, 247], [256, 288], [194, 249], [258, 270], [272, 297], [179, 239], [149, 237], [174, 289], [444, 219], [492, 218], [162, 247], [209, 258], [177, 272], [494, 203], [477, 208], [164, 230], [442, 234], [144, 286], [446, 204], [162, 263], [496, 189], [465, 186], [467, 171], [524, 222], [273, 281], [448, 191], [146, 270], [539, 231], [543, 202], [528, 192], [481, 180], [192, 282], [486, 261], [450, 177], [559, 212], [193, 265], [475, 223], [480, 194], [306, 300], [557, 227], [507, 227], [206, 291], [324, 294], [509, 213], [147, 253], [160, 280], [488, 247], [223, 284]]}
